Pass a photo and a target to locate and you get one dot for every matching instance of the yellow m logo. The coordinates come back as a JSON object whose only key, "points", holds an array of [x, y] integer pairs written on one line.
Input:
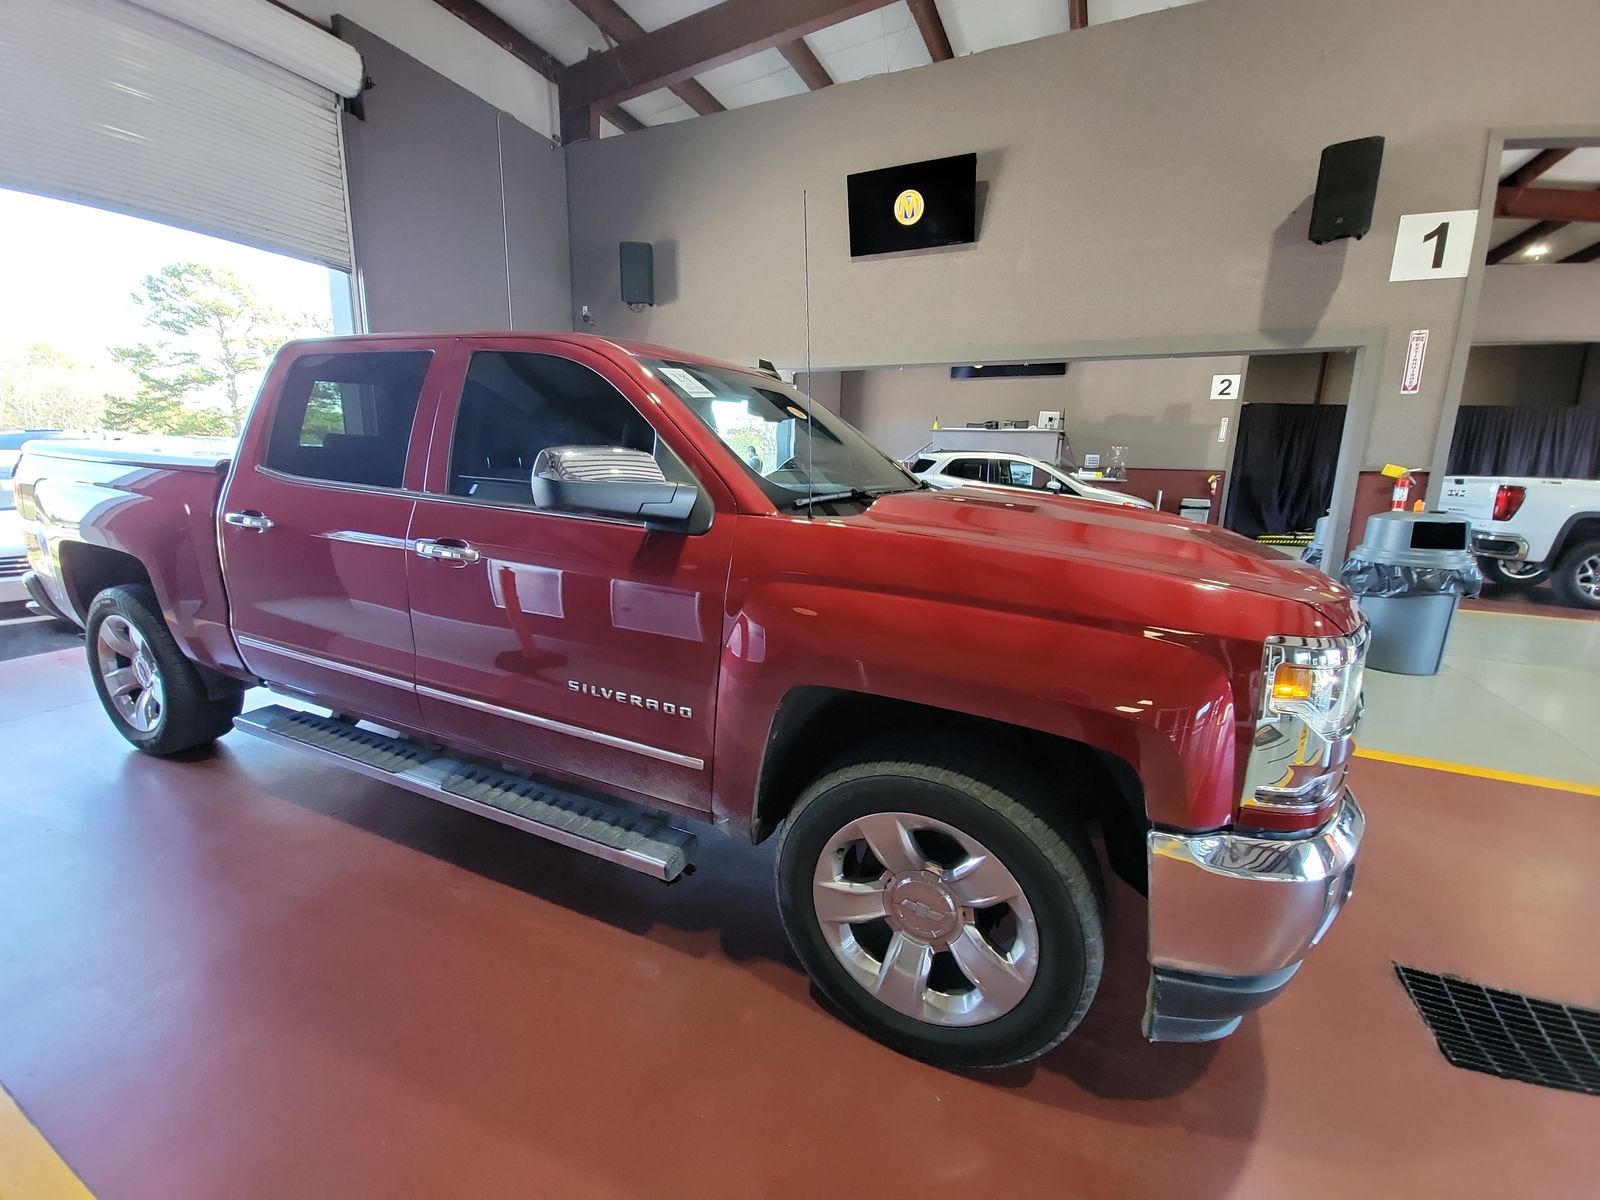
{"points": [[908, 207]]}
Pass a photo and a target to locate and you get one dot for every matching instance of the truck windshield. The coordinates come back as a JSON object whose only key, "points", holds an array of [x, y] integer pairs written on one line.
{"points": [[798, 451]]}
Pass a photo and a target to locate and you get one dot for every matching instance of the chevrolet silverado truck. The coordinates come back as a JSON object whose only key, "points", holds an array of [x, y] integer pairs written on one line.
{"points": [[1527, 530], [605, 592]]}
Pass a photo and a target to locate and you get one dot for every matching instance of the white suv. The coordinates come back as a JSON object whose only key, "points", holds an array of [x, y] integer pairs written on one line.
{"points": [[995, 468]]}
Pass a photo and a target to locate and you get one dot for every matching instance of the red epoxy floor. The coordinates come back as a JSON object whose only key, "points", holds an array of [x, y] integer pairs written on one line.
{"points": [[251, 976]]}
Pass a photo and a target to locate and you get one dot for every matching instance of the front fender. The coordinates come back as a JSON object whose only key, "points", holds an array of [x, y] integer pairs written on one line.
{"points": [[1160, 700]]}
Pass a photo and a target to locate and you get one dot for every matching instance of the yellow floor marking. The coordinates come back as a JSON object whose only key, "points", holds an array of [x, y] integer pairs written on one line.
{"points": [[1502, 612], [29, 1168], [1434, 764]]}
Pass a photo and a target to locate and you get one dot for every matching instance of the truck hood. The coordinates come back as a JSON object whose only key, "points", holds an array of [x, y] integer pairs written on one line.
{"points": [[1090, 533]]}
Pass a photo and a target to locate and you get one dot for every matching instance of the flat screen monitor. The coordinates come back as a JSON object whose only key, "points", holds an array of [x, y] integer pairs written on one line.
{"points": [[916, 206]]}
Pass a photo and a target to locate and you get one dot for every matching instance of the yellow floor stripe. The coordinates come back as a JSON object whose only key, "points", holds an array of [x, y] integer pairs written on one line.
{"points": [[1434, 764], [29, 1168], [1505, 612]]}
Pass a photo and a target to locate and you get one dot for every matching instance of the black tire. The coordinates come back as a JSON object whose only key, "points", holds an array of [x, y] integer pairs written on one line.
{"points": [[186, 717], [1005, 808], [1499, 571], [1576, 579]]}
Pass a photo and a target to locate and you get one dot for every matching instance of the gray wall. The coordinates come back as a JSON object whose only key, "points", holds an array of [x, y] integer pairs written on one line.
{"points": [[1147, 191], [823, 386], [1531, 375], [1155, 407], [1296, 378], [436, 247], [1555, 302]]}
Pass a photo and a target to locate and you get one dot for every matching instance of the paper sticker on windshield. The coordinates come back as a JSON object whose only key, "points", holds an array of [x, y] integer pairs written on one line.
{"points": [[688, 384]]}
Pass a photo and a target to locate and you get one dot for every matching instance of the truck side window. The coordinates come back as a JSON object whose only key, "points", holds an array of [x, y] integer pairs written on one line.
{"points": [[514, 405], [346, 418]]}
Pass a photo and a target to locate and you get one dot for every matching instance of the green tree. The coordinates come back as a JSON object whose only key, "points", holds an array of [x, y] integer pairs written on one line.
{"points": [[223, 333]]}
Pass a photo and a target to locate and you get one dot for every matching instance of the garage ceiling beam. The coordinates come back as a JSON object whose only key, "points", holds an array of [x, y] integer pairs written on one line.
{"points": [[730, 31], [1587, 254], [1547, 204], [932, 29], [1077, 14], [510, 39], [806, 64], [623, 119], [1531, 236], [617, 25], [1533, 168]]}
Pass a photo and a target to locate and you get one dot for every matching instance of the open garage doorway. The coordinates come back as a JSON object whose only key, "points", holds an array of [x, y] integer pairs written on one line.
{"points": [[117, 324], [1161, 428], [1520, 449], [113, 325], [1286, 452]]}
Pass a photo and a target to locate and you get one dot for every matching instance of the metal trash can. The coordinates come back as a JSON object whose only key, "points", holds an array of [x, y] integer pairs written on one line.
{"points": [[1410, 572]]}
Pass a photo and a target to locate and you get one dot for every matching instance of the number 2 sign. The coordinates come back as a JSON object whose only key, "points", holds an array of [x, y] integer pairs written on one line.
{"points": [[1434, 245]]}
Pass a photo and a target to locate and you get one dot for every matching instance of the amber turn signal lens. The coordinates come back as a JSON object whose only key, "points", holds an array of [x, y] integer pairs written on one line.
{"points": [[1291, 683]]}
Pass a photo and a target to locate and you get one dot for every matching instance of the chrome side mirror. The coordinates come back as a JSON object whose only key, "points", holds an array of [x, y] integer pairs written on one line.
{"points": [[610, 480]]}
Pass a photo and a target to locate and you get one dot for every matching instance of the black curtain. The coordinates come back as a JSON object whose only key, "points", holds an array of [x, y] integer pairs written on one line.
{"points": [[1557, 443], [1283, 464]]}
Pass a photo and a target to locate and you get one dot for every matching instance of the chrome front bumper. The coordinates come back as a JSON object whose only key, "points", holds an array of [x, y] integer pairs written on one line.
{"points": [[1231, 917]]}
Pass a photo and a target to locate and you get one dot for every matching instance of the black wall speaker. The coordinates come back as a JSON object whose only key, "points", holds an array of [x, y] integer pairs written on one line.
{"points": [[638, 272], [1347, 187]]}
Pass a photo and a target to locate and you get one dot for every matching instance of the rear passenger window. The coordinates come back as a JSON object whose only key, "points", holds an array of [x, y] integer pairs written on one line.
{"points": [[346, 418], [514, 405]]}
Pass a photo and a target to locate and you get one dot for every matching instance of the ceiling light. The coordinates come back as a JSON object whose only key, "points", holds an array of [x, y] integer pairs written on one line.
{"points": [[1537, 250]]}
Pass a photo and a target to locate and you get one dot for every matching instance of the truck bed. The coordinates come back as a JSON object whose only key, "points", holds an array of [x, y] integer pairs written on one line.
{"points": [[136, 508], [196, 453]]}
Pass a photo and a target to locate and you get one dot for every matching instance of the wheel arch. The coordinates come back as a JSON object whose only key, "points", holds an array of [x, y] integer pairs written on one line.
{"points": [[1107, 789], [1580, 527], [88, 569]]}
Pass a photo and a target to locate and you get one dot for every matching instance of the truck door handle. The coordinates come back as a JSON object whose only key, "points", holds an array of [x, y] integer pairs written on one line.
{"points": [[450, 550], [249, 519]]}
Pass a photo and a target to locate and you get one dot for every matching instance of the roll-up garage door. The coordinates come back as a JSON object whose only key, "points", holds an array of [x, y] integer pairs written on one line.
{"points": [[216, 115]]}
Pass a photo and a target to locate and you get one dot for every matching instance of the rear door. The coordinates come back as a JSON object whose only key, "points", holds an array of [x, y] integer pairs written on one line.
{"points": [[583, 646], [314, 527]]}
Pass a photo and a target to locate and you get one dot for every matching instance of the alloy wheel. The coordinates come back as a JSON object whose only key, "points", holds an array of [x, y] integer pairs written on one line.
{"points": [[1586, 577], [926, 919], [130, 674]]}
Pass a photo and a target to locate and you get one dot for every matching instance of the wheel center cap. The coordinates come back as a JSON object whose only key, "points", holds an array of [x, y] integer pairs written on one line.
{"points": [[142, 671], [920, 905]]}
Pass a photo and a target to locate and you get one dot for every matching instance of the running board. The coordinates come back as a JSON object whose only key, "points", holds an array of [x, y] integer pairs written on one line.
{"points": [[622, 833]]}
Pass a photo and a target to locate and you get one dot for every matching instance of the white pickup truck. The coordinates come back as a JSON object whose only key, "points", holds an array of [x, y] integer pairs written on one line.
{"points": [[1525, 530]]}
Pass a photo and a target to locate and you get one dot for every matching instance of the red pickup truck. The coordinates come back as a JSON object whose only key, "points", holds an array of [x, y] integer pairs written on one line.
{"points": [[602, 592]]}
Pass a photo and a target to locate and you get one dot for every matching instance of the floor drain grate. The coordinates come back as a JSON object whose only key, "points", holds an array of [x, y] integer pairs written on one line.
{"points": [[1508, 1034]]}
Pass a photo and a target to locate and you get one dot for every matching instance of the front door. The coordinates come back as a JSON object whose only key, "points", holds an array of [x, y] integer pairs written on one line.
{"points": [[314, 529], [583, 646]]}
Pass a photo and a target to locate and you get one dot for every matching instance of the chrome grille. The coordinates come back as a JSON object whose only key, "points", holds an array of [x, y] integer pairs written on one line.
{"points": [[12, 567]]}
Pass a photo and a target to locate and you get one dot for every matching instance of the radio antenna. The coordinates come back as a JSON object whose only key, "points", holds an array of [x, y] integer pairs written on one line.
{"points": [[811, 384]]}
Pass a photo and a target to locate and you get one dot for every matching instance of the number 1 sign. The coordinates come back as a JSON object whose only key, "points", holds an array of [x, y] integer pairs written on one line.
{"points": [[1434, 245]]}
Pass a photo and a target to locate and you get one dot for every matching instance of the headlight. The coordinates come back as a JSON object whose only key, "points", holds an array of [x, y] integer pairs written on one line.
{"points": [[1320, 685], [1309, 708]]}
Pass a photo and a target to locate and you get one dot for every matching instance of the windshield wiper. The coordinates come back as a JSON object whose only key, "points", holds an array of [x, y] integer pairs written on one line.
{"points": [[867, 494]]}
